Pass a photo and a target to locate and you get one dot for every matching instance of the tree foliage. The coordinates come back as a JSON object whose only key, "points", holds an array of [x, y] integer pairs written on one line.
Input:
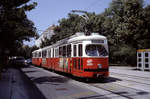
{"points": [[15, 26], [125, 23], [26, 51]]}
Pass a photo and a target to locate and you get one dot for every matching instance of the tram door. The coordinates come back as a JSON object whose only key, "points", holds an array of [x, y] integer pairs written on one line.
{"points": [[77, 57], [44, 52], [74, 57], [80, 59]]}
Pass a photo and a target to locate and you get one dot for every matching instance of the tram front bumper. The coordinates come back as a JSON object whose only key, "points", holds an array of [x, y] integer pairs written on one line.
{"points": [[97, 70], [97, 73]]}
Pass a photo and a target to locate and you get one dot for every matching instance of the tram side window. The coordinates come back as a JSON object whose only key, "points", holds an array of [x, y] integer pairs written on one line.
{"points": [[36, 54], [49, 53], [60, 51], [56, 52], [39, 54], [53, 52], [64, 51], [33, 55], [80, 49], [43, 54], [74, 50], [68, 50]]}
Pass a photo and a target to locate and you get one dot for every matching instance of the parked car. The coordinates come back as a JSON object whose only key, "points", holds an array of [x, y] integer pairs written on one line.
{"points": [[28, 61], [20, 61], [17, 61]]}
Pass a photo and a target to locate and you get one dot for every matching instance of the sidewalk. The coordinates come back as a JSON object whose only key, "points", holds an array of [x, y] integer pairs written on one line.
{"points": [[15, 85], [129, 71], [6, 84]]}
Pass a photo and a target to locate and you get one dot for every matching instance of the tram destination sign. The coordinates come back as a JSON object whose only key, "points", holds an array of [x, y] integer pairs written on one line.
{"points": [[97, 41]]}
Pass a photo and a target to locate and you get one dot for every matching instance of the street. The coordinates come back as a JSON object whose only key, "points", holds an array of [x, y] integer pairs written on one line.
{"points": [[123, 83]]}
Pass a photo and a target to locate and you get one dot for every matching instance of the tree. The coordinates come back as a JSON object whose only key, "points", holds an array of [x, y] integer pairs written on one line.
{"points": [[125, 23], [146, 36], [15, 26], [67, 27], [26, 51]]}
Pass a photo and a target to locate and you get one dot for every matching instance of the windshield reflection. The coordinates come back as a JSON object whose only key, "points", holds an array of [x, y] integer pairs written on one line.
{"points": [[96, 50]]}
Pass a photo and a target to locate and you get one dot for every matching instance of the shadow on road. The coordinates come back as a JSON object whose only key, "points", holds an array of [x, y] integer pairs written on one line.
{"points": [[31, 71], [46, 79], [99, 80]]}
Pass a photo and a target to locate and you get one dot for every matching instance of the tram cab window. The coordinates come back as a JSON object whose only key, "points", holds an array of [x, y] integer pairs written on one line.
{"points": [[96, 50]]}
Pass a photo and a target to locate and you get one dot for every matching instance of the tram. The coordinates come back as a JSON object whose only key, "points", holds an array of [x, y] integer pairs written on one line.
{"points": [[80, 55]]}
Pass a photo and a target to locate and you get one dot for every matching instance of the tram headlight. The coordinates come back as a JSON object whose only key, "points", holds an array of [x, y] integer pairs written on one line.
{"points": [[99, 66], [89, 62]]}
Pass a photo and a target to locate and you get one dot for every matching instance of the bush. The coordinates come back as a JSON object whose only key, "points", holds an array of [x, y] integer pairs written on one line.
{"points": [[123, 55]]}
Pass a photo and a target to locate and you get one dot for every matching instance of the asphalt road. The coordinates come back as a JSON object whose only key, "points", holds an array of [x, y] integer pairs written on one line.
{"points": [[37, 83], [54, 86]]}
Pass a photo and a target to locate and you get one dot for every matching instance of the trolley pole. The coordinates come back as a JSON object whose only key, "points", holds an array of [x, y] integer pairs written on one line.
{"points": [[85, 17]]}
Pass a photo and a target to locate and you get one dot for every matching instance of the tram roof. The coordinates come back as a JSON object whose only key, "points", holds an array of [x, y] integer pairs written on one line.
{"points": [[81, 37], [37, 50]]}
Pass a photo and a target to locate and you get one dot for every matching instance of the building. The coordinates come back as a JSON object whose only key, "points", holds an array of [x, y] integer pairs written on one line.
{"points": [[46, 34]]}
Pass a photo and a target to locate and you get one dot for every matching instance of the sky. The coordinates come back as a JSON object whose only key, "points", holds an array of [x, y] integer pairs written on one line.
{"points": [[49, 12]]}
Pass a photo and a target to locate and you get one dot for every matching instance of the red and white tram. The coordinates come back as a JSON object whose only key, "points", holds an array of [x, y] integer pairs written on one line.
{"points": [[79, 55]]}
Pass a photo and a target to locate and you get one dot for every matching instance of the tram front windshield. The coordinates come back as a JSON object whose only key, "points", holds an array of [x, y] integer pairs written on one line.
{"points": [[96, 50]]}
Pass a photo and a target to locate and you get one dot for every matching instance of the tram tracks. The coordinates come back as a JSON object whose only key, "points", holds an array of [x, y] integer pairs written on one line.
{"points": [[114, 88], [126, 85], [122, 90], [111, 89], [130, 75], [132, 78]]}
